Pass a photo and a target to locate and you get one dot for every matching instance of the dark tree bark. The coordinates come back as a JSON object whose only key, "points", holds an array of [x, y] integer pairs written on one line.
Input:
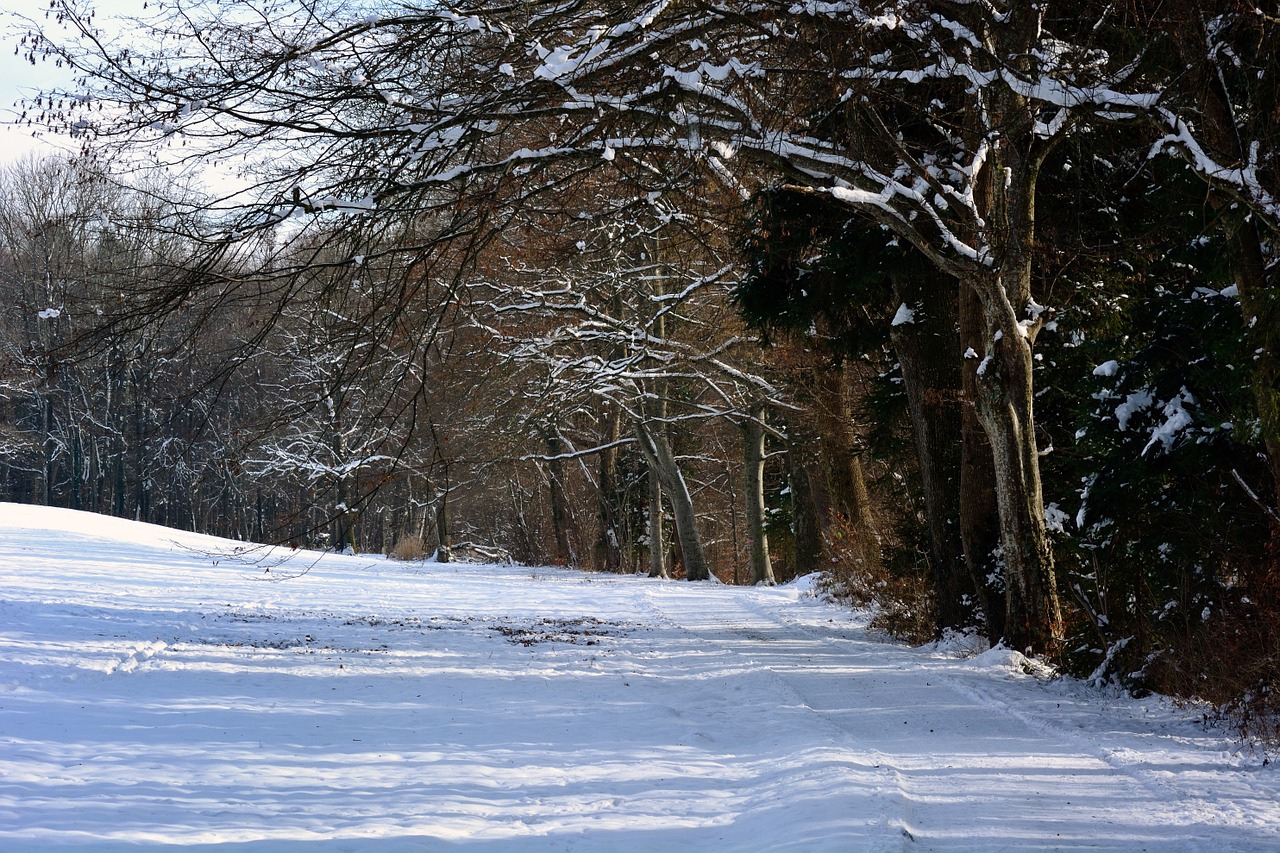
{"points": [[805, 516], [608, 548], [926, 350], [979, 517], [49, 447], [343, 535], [561, 518]]}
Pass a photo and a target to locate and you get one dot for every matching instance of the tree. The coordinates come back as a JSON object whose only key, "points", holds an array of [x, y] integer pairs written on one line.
{"points": [[824, 276], [933, 120], [632, 315], [1223, 119], [940, 121], [71, 237], [753, 443]]}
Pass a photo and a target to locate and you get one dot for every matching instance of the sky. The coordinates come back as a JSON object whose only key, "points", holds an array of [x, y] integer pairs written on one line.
{"points": [[19, 79]]}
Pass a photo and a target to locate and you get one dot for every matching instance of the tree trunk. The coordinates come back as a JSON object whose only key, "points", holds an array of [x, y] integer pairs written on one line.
{"points": [[925, 347], [608, 550], [1005, 373], [804, 506], [979, 515], [259, 517], [142, 447], [444, 533], [848, 486], [49, 447], [119, 495], [657, 450], [344, 515], [753, 436], [1005, 409], [77, 463], [657, 539], [561, 518]]}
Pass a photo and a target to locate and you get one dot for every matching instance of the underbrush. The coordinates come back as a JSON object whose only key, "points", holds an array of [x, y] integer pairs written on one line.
{"points": [[899, 597], [1232, 663], [409, 548], [1216, 645]]}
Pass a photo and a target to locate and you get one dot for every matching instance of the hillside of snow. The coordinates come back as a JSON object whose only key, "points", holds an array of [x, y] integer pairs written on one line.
{"points": [[166, 691]]}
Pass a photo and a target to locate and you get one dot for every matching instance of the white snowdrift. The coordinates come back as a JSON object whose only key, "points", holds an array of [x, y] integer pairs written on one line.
{"points": [[164, 691]]}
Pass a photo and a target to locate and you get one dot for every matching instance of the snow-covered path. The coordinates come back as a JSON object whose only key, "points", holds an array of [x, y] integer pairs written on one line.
{"points": [[159, 691]]}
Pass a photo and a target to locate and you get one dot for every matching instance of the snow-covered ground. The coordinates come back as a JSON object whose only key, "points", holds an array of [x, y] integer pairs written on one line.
{"points": [[160, 691]]}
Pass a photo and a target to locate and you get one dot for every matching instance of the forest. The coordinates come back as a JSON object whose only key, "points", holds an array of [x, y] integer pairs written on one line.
{"points": [[972, 306]]}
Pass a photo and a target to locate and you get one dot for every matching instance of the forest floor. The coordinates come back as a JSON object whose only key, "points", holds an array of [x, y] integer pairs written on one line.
{"points": [[166, 691]]}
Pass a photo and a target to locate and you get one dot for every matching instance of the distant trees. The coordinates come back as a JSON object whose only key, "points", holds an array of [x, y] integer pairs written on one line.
{"points": [[88, 431], [631, 320]]}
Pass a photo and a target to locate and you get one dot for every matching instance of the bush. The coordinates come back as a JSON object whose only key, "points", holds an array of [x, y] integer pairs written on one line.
{"points": [[1233, 660], [900, 598], [1157, 460], [409, 548]]}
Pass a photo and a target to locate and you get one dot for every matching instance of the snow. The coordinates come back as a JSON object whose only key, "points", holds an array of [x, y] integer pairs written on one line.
{"points": [[1176, 419], [1055, 519], [1133, 404], [1242, 178], [905, 315], [1107, 368], [558, 63], [161, 691]]}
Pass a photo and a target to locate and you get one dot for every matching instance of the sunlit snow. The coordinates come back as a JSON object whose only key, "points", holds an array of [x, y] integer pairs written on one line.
{"points": [[166, 691]]}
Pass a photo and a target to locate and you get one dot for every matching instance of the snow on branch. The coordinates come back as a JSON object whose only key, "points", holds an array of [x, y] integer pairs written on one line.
{"points": [[578, 454], [1241, 180]]}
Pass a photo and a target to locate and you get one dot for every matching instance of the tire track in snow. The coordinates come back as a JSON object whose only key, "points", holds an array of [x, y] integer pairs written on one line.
{"points": [[710, 617], [1165, 785], [855, 685]]}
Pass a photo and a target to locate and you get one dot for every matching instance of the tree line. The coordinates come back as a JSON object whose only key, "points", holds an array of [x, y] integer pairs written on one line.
{"points": [[976, 294]]}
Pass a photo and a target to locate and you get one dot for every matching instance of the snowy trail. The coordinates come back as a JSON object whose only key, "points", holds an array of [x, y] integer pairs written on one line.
{"points": [[973, 764], [160, 692]]}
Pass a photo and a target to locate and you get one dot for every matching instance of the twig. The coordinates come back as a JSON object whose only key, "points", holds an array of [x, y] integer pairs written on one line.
{"points": [[1271, 513]]}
